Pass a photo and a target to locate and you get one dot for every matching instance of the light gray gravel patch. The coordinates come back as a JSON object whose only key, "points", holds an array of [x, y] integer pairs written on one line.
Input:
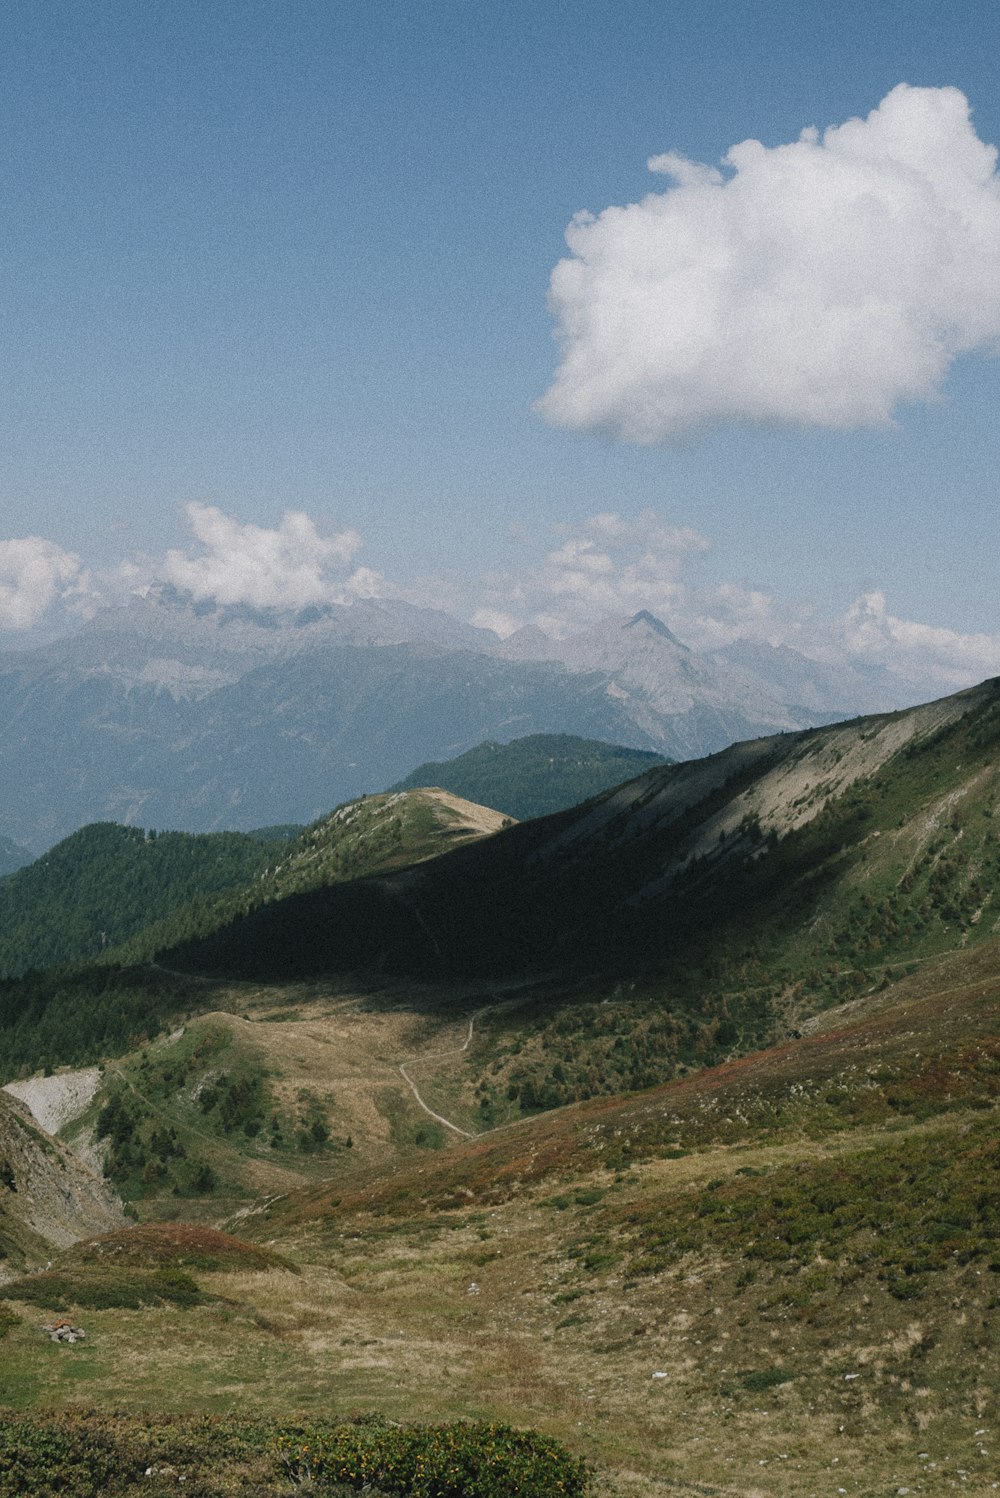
{"points": [[56, 1101]]}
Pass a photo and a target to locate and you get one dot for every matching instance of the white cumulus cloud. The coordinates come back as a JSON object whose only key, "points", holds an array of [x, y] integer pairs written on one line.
{"points": [[822, 282], [289, 566], [34, 575], [944, 658]]}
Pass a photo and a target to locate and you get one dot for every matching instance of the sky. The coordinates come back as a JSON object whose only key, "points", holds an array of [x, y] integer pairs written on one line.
{"points": [[536, 312]]}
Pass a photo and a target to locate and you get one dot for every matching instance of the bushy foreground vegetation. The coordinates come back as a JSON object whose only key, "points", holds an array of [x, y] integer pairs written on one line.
{"points": [[103, 1289], [436, 1461], [110, 1456], [905, 1209]]}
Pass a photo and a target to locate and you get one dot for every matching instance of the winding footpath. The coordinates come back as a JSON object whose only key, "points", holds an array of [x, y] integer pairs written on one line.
{"points": [[457, 1051]]}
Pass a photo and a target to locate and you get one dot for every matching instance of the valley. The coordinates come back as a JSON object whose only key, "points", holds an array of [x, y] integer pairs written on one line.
{"points": [[664, 1126], [748, 1235]]}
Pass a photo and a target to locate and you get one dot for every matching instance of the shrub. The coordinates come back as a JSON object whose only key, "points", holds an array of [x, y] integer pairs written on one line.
{"points": [[758, 1380], [466, 1460], [102, 1290]]}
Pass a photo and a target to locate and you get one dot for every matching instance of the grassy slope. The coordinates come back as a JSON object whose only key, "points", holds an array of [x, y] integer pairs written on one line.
{"points": [[730, 855], [371, 836], [240, 1105], [699, 911], [77, 1015], [803, 1242]]}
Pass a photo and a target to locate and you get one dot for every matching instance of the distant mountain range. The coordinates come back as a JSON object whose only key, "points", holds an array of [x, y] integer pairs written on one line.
{"points": [[192, 716]]}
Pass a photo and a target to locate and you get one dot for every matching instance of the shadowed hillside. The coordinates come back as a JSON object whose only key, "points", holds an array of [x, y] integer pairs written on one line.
{"points": [[816, 857]]}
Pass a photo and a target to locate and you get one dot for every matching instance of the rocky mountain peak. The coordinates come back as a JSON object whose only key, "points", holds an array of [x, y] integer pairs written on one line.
{"points": [[649, 621]]}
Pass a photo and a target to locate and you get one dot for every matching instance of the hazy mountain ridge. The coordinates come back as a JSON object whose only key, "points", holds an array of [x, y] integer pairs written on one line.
{"points": [[12, 856], [198, 717]]}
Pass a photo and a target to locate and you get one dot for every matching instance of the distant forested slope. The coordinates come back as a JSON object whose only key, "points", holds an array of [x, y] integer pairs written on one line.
{"points": [[100, 885], [536, 775]]}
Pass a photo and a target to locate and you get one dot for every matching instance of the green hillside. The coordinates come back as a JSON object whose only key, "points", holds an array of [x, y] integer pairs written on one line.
{"points": [[103, 883], [534, 776], [112, 879], [734, 894], [776, 1274], [373, 835]]}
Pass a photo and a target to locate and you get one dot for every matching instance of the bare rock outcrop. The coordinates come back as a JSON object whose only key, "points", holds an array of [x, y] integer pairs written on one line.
{"points": [[48, 1198]]}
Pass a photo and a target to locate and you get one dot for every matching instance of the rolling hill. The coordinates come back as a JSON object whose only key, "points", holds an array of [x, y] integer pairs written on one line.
{"points": [[534, 776], [100, 885], [106, 882]]}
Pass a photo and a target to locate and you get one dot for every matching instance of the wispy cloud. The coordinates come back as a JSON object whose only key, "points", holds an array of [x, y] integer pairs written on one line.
{"points": [[918, 651], [608, 565], [822, 282]]}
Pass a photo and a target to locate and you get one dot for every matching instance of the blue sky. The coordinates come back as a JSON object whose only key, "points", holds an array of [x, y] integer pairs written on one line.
{"points": [[283, 257]]}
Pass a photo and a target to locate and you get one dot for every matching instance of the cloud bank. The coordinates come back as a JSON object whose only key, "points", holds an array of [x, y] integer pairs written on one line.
{"points": [[291, 566], [823, 282], [915, 650], [604, 566]]}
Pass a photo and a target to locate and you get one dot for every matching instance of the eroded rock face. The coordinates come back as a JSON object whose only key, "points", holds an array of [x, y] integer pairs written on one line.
{"points": [[48, 1198]]}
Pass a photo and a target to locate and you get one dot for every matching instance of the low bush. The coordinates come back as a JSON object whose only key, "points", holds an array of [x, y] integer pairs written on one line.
{"points": [[467, 1460], [130, 1290]]}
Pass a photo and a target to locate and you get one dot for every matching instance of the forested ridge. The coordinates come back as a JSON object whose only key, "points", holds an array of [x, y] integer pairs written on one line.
{"points": [[536, 775], [102, 884]]}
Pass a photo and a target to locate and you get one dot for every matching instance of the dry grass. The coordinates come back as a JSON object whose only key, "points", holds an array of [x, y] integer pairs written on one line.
{"points": [[384, 1317], [493, 1279]]}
